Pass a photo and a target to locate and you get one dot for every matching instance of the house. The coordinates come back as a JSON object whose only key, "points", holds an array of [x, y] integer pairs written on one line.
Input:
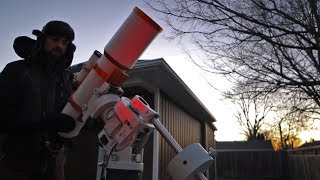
{"points": [[181, 112]]}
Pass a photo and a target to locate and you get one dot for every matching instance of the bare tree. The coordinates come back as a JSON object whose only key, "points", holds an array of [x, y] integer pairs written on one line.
{"points": [[271, 45], [251, 115], [290, 121]]}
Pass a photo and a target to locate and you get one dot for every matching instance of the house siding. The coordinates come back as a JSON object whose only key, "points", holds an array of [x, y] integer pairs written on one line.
{"points": [[184, 128], [209, 137]]}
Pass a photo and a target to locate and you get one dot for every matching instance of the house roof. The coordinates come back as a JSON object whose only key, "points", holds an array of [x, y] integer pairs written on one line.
{"points": [[157, 74], [252, 145], [310, 144]]}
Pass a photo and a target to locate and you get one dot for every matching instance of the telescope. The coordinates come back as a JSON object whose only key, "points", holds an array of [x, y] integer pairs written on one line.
{"points": [[126, 120]]}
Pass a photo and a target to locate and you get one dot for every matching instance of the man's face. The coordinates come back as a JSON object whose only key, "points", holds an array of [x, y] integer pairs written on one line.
{"points": [[56, 46]]}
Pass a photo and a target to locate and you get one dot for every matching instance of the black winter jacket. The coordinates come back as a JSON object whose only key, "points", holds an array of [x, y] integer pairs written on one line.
{"points": [[32, 94]]}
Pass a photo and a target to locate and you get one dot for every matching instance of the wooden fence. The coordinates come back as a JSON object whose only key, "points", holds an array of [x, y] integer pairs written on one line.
{"points": [[304, 163], [249, 164], [296, 164]]}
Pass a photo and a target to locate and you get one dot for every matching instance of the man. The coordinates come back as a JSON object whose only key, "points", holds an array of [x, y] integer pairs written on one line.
{"points": [[33, 91]]}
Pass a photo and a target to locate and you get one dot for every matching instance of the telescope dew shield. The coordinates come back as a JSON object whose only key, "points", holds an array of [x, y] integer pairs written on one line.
{"points": [[132, 38], [120, 54]]}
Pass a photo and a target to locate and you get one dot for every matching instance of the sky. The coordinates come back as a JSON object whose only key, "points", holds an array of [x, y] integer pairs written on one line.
{"points": [[94, 23]]}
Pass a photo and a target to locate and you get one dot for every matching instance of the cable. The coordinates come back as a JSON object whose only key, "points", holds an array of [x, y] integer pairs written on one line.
{"points": [[105, 163]]}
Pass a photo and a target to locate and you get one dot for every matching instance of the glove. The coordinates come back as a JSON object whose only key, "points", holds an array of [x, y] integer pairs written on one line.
{"points": [[65, 123], [59, 123]]}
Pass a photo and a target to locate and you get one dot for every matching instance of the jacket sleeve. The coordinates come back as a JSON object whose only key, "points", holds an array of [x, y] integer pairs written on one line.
{"points": [[8, 96]]}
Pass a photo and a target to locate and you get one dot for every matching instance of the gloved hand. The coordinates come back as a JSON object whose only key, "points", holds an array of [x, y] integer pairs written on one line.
{"points": [[59, 123], [65, 123]]}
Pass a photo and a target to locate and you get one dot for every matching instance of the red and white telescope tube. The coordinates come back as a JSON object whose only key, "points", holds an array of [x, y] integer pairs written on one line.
{"points": [[120, 54]]}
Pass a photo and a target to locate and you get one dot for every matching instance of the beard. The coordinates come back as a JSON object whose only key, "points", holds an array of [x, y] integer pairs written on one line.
{"points": [[53, 63], [56, 54]]}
